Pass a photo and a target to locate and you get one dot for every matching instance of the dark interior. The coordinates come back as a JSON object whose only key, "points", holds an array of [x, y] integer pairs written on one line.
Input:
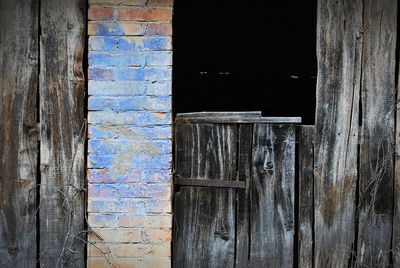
{"points": [[231, 55]]}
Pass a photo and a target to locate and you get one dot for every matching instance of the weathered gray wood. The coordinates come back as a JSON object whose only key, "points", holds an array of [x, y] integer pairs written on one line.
{"points": [[18, 133], [339, 44], [204, 225], [306, 196], [201, 182], [243, 196], [218, 114], [61, 91], [377, 133], [272, 196], [239, 119], [396, 188]]}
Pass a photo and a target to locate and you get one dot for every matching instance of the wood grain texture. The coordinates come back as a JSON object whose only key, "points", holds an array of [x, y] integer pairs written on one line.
{"points": [[377, 133], [243, 196], [18, 133], [272, 196], [204, 222], [339, 45], [306, 196], [396, 189], [61, 94]]}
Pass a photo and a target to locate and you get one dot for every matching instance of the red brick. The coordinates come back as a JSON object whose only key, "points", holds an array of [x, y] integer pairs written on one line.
{"points": [[157, 263], [118, 2], [142, 250], [157, 236], [116, 235], [98, 249], [101, 13], [133, 2], [128, 220], [146, 14], [100, 262], [160, 3], [126, 263], [159, 29]]}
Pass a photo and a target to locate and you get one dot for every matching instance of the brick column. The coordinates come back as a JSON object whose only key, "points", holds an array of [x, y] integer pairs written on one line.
{"points": [[129, 160]]}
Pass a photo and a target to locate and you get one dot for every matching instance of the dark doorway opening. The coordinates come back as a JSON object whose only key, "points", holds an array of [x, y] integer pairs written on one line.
{"points": [[234, 56]]}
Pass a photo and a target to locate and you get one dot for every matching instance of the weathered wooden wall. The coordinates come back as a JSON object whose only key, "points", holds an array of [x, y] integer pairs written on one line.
{"points": [[375, 202], [18, 132], [339, 45], [62, 128], [42, 133], [355, 134]]}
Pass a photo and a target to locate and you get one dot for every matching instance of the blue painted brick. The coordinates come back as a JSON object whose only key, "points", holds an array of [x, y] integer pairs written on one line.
{"points": [[100, 74], [144, 43], [158, 206], [102, 43], [159, 59], [105, 191], [103, 220], [139, 162], [157, 176], [130, 118], [143, 74], [159, 74], [117, 103], [130, 74], [113, 146], [159, 89], [101, 190], [116, 88], [134, 207], [135, 103], [109, 29], [105, 176], [117, 59], [116, 132], [143, 191], [157, 43]]}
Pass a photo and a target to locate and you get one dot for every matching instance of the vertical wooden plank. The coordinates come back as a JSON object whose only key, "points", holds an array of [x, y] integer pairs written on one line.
{"points": [[306, 196], [18, 133], [377, 133], [272, 196], [61, 131], [339, 45], [396, 188], [243, 196], [204, 222]]}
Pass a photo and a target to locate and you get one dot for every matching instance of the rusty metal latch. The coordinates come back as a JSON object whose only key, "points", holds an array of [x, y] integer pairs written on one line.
{"points": [[209, 183]]}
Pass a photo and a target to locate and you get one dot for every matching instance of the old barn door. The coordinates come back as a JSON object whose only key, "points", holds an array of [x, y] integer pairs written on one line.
{"points": [[234, 200]]}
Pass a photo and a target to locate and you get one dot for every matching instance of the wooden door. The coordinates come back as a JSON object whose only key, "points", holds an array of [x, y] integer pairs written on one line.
{"points": [[234, 199]]}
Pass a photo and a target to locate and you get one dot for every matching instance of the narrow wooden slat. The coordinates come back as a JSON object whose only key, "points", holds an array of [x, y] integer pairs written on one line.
{"points": [[396, 188], [306, 196], [339, 45], [204, 222], [377, 133], [61, 131], [218, 114], [243, 196], [272, 196], [240, 120], [18, 133], [200, 182]]}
